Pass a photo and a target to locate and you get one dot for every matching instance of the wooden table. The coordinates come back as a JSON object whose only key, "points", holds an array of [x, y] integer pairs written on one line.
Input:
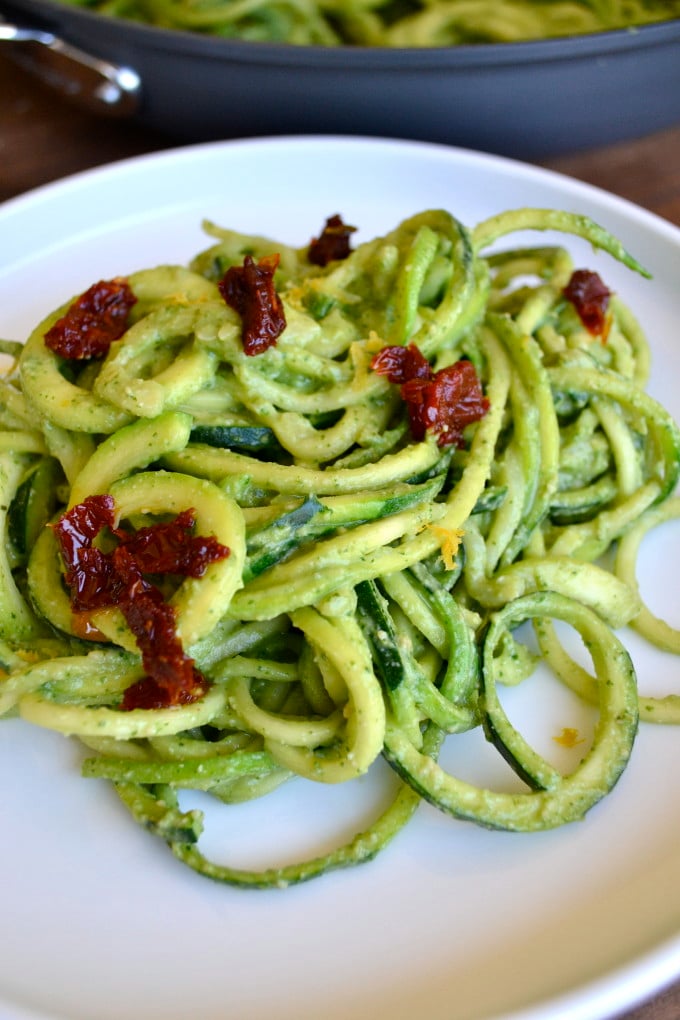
{"points": [[42, 138]]}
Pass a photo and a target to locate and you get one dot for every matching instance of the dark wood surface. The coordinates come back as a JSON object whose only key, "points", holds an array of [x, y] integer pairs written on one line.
{"points": [[43, 138]]}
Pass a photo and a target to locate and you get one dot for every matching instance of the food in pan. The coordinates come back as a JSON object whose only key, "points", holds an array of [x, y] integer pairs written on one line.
{"points": [[392, 22]]}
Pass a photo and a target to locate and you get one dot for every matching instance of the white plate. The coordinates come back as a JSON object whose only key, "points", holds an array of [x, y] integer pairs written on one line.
{"points": [[451, 922]]}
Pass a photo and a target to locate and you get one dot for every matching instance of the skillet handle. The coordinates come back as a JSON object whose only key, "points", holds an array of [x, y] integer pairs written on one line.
{"points": [[78, 76]]}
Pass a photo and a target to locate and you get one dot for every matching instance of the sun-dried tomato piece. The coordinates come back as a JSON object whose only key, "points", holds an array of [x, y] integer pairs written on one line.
{"points": [[401, 363], [249, 290], [81, 524], [92, 581], [99, 579], [445, 404], [148, 693], [93, 321], [332, 244], [590, 297], [89, 572], [172, 678], [172, 548]]}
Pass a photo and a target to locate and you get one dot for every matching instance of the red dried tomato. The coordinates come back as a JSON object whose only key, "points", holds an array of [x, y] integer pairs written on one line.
{"points": [[332, 244], [93, 581], [93, 321], [172, 678], [98, 580], [148, 693], [77, 527], [172, 548], [89, 572], [249, 290], [590, 297], [445, 402], [401, 363]]}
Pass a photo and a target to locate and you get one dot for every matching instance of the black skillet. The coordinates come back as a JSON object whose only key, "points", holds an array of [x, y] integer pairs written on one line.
{"points": [[525, 100]]}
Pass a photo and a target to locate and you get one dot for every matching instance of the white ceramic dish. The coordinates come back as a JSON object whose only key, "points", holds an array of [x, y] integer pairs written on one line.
{"points": [[452, 922]]}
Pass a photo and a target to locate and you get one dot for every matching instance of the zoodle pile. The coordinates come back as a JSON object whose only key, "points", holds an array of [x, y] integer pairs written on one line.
{"points": [[276, 514], [390, 23]]}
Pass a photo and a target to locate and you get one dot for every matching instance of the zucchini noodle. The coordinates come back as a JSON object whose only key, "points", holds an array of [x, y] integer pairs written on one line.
{"points": [[419, 23], [377, 584]]}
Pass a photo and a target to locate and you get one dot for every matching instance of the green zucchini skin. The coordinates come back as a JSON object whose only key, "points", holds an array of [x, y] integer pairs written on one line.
{"points": [[33, 506], [362, 849], [491, 499], [314, 518], [376, 623], [553, 799], [275, 542], [578, 506], [250, 439]]}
